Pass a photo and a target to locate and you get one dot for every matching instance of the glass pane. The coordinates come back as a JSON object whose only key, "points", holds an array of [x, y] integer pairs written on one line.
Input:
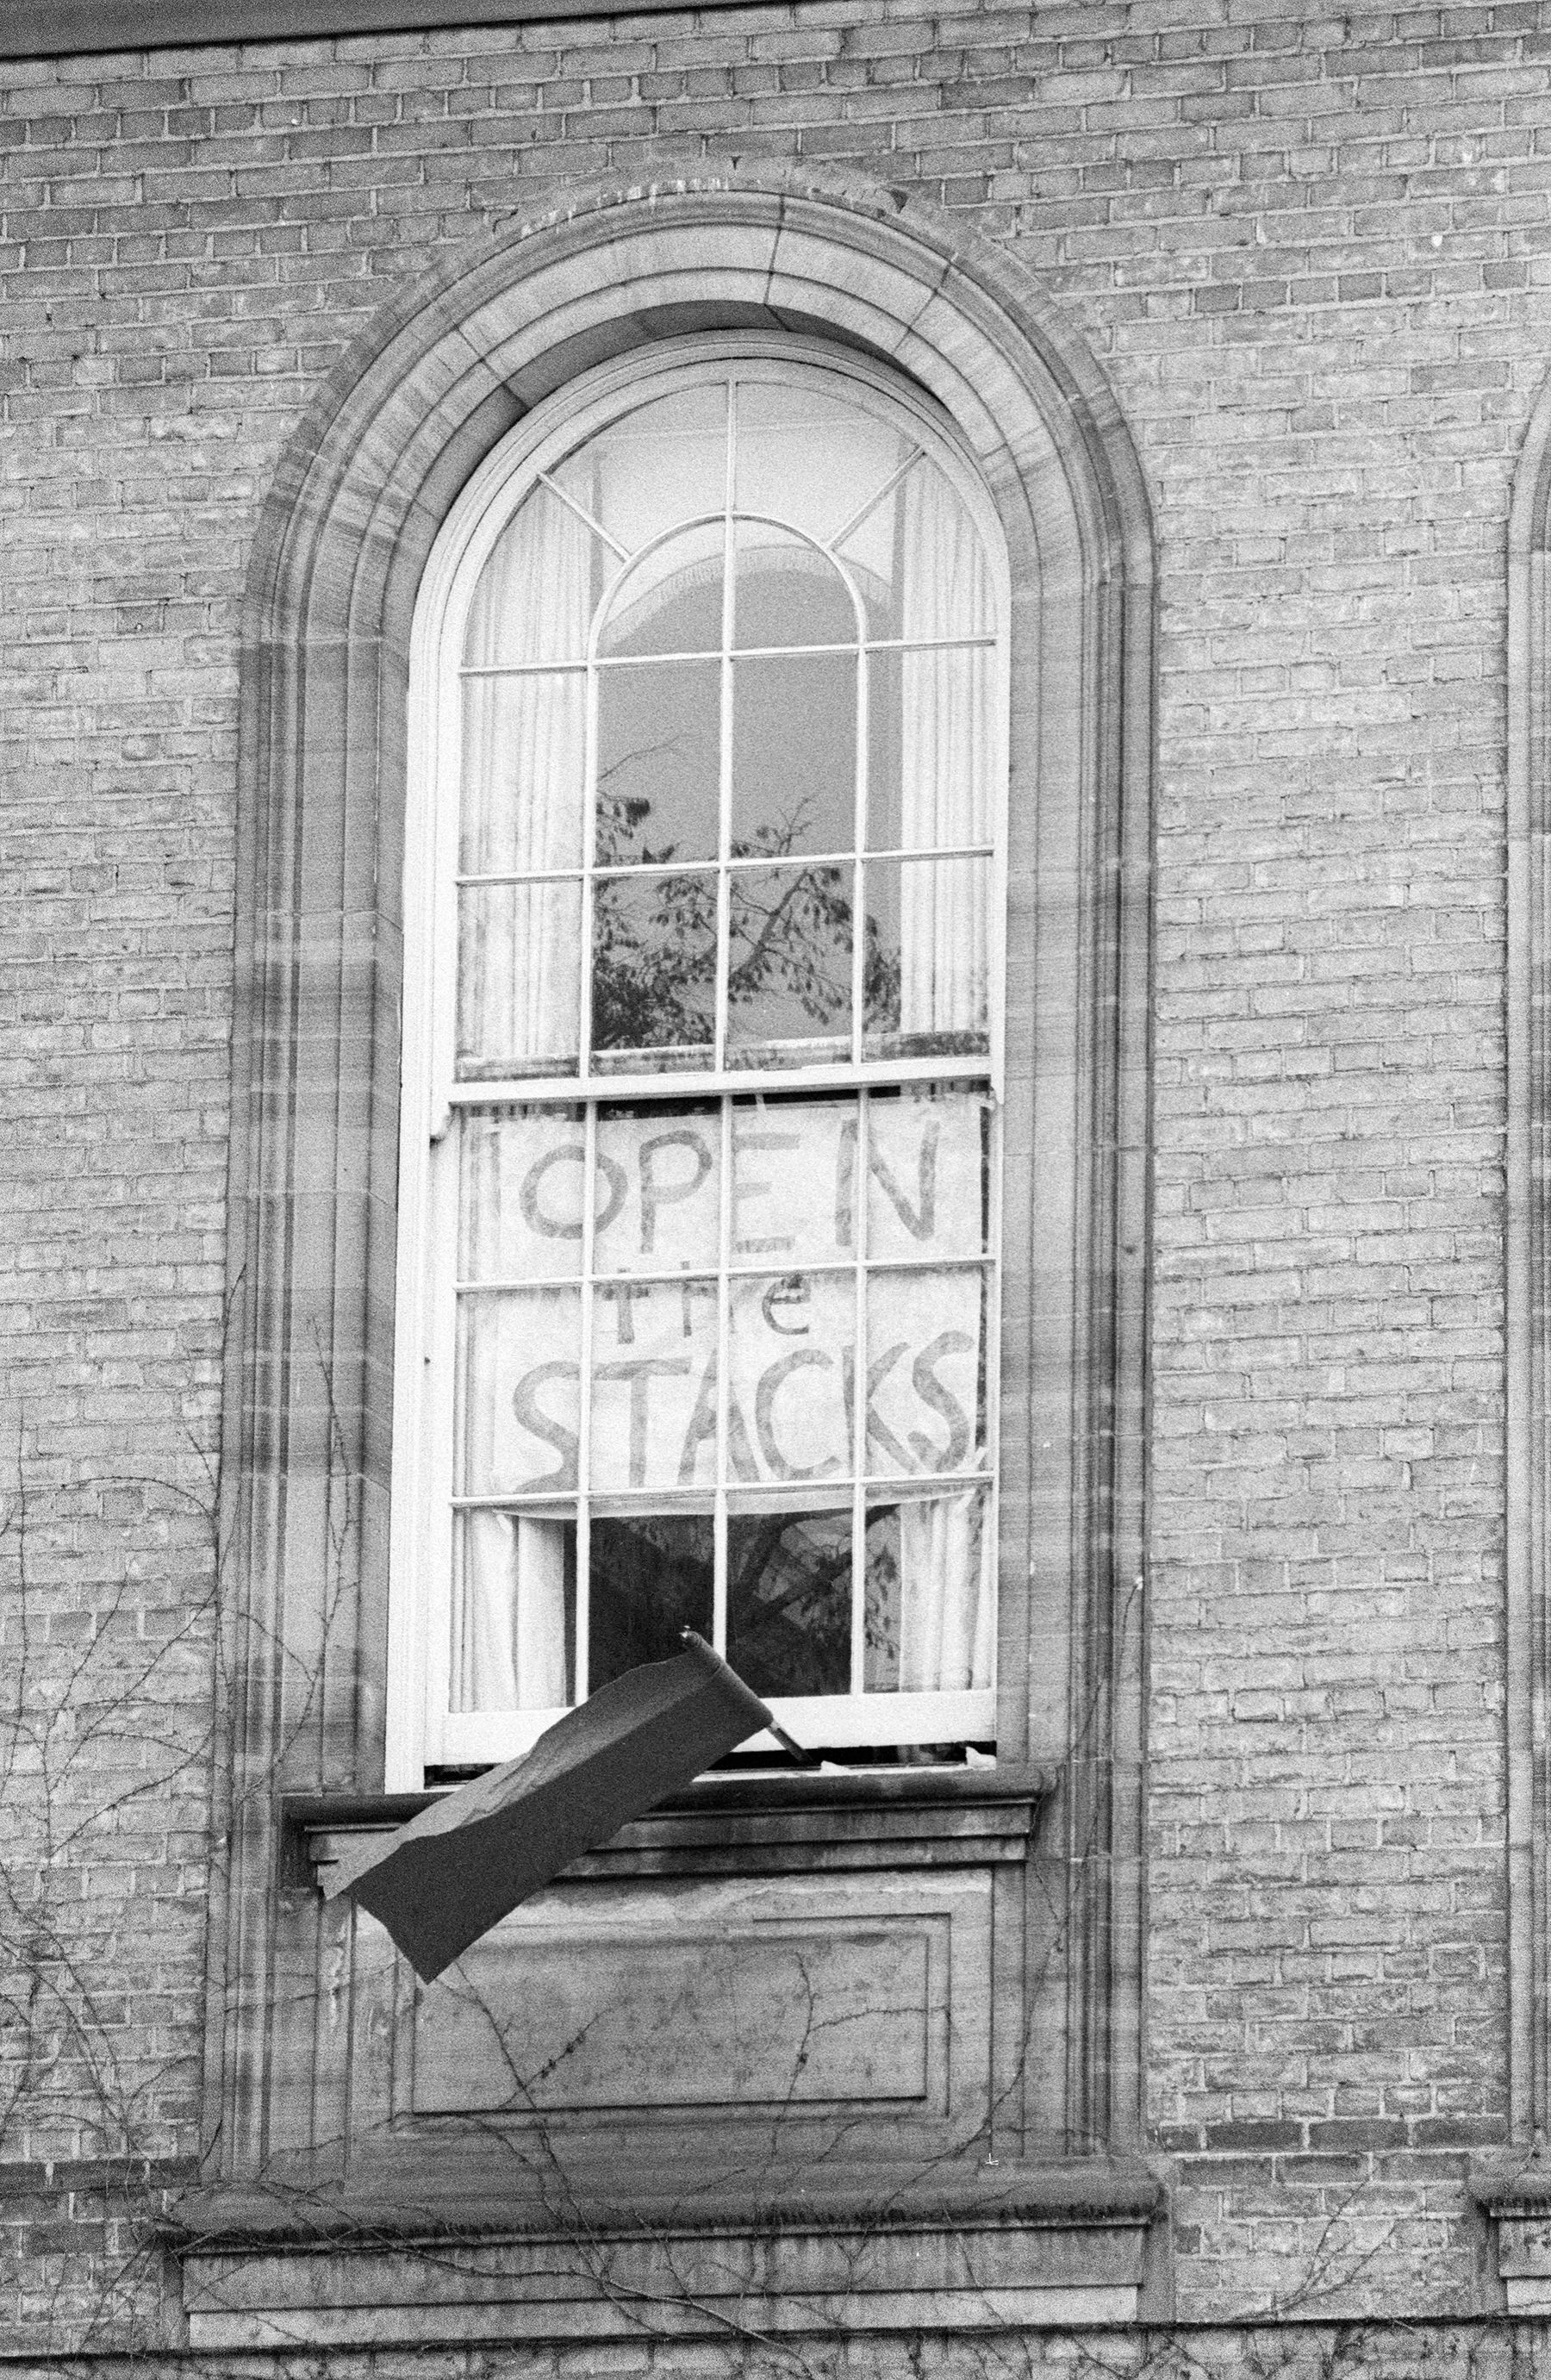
{"points": [[658, 762], [650, 1575], [518, 1396], [929, 750], [654, 964], [794, 1181], [919, 563], [807, 457], [670, 602], [665, 462], [789, 966], [787, 592], [926, 973], [538, 592], [880, 1618], [793, 1345], [793, 755], [515, 1611], [518, 995], [520, 1193], [929, 1619], [789, 1600], [659, 1200], [524, 773], [654, 1377], [926, 1371], [928, 1173]]}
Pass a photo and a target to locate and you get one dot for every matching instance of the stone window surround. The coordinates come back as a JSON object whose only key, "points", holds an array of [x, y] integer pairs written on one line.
{"points": [[413, 405], [1513, 2185]]}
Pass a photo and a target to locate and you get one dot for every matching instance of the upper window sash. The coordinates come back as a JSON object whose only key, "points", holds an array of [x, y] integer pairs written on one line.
{"points": [[491, 509]]}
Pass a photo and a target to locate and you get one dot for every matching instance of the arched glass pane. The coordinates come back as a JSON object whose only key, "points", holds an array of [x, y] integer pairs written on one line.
{"points": [[664, 463], [787, 592], [810, 456], [670, 602], [919, 560], [539, 589]]}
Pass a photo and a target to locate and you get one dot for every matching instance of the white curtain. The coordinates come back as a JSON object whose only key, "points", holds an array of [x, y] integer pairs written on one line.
{"points": [[513, 1648], [944, 766], [524, 794], [945, 1597], [946, 1604]]}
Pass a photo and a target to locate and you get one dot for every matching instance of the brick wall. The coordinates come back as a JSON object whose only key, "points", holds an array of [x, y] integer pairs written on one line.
{"points": [[1312, 252]]}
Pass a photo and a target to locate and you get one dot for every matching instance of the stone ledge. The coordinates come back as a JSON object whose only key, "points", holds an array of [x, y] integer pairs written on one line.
{"points": [[1513, 2190], [46, 29], [1512, 2181], [974, 2249], [285, 2208], [737, 1825], [129, 2180]]}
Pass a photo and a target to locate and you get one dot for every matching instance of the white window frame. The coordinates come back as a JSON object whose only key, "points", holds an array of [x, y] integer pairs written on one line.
{"points": [[419, 1572]]}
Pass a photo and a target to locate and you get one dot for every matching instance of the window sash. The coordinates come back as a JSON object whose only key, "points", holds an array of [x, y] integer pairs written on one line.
{"points": [[459, 1737], [894, 1163]]}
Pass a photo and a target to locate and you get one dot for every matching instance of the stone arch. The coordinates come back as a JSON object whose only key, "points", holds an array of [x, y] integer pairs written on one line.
{"points": [[411, 408]]}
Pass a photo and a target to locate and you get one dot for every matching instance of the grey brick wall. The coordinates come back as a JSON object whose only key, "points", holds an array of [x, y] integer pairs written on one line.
{"points": [[1312, 252]]}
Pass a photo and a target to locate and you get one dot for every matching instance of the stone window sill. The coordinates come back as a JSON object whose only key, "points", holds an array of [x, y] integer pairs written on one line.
{"points": [[978, 2249], [745, 1825]]}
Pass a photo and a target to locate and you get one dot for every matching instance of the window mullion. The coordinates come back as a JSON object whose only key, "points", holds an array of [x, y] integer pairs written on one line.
{"points": [[582, 514], [581, 1681], [584, 1410], [859, 1193], [991, 1291], [859, 1405], [590, 804], [870, 504], [724, 776], [859, 839], [723, 960], [723, 1376]]}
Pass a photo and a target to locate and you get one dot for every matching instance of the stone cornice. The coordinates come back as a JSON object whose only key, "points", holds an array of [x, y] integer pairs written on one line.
{"points": [[45, 28]]}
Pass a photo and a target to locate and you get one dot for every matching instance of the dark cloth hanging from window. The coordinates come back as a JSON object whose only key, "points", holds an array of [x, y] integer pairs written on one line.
{"points": [[462, 1865]]}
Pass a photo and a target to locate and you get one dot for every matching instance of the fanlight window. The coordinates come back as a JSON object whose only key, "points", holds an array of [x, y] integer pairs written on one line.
{"points": [[708, 1297]]}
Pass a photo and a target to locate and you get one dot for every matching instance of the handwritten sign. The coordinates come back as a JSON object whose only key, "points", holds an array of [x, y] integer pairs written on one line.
{"points": [[839, 1227]]}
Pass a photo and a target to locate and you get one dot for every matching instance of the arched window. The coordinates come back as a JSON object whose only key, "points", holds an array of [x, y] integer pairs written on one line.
{"points": [[700, 1172], [1007, 1903]]}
